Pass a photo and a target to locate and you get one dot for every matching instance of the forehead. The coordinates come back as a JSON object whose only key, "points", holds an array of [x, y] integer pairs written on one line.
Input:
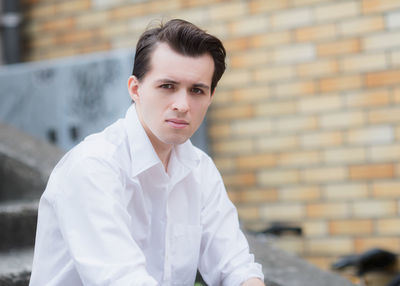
{"points": [[167, 63]]}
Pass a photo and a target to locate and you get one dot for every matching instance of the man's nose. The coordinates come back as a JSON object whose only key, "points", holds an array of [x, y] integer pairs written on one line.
{"points": [[181, 101]]}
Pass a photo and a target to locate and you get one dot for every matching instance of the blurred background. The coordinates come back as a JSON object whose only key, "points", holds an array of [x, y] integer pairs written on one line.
{"points": [[305, 124]]}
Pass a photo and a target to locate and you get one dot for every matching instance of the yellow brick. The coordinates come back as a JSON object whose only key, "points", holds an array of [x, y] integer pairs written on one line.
{"points": [[236, 44], [386, 189], [345, 155], [370, 6], [251, 127], [371, 171], [307, 2], [291, 18], [282, 212], [315, 228], [367, 98], [340, 83], [257, 196], [365, 62], [346, 46], [350, 227], [320, 103], [75, 37], [387, 243], [277, 177], [275, 143], [227, 11], [385, 115], [315, 33], [256, 161], [231, 112], [385, 40], [233, 147], [42, 11], [336, 11], [345, 191], [297, 53], [328, 210], [371, 135], [259, 6], [342, 119], [219, 130], [122, 12], [199, 16], [294, 88], [251, 94], [95, 47], [361, 25], [222, 97], [66, 23], [235, 78], [385, 153], [42, 42], [250, 59], [272, 74], [318, 68], [324, 174], [296, 124], [224, 164], [388, 226], [270, 39], [322, 139], [291, 244], [73, 6], [299, 193], [395, 58], [276, 108], [162, 6], [115, 30], [330, 246], [299, 158], [91, 19], [396, 95], [239, 179], [248, 212], [249, 25], [374, 208]]}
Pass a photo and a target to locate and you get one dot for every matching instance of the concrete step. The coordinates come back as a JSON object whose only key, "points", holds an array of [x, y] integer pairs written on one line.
{"points": [[15, 267], [17, 224]]}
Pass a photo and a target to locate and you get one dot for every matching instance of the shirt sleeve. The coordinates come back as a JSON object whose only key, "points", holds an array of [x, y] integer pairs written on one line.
{"points": [[225, 257], [96, 226]]}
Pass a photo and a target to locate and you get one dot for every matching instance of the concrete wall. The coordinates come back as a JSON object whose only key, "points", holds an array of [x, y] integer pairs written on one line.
{"points": [[305, 125]]}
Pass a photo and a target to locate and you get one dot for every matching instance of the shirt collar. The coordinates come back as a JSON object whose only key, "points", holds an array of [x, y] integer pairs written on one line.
{"points": [[142, 153]]}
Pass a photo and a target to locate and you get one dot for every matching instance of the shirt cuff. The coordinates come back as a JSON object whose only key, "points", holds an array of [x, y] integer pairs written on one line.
{"points": [[254, 270]]}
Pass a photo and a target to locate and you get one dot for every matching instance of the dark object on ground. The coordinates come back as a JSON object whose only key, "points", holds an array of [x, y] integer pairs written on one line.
{"points": [[375, 260], [280, 229]]}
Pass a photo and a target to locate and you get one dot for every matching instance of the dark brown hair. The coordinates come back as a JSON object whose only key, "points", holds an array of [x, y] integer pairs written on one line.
{"points": [[183, 37]]}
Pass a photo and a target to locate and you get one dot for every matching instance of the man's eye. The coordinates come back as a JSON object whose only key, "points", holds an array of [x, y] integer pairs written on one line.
{"points": [[197, 90], [167, 86]]}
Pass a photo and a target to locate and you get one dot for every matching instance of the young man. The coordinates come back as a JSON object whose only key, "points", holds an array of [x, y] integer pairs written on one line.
{"points": [[138, 204]]}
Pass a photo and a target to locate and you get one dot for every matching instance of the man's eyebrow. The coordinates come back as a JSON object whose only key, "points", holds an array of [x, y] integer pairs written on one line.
{"points": [[201, 85], [166, 80]]}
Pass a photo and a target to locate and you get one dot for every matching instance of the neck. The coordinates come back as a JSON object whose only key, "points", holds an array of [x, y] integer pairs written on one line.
{"points": [[163, 152]]}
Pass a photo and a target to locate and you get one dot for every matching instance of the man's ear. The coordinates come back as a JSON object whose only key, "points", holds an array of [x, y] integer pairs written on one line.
{"points": [[133, 87]]}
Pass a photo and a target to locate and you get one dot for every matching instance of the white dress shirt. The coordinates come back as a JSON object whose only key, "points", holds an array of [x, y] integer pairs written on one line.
{"points": [[111, 215]]}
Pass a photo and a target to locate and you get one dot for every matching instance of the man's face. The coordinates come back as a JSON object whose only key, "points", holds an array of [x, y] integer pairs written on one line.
{"points": [[173, 97]]}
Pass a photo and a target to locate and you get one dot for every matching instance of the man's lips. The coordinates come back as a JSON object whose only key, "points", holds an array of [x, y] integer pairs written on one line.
{"points": [[177, 123]]}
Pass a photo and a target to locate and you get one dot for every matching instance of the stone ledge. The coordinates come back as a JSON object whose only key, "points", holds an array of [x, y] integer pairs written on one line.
{"points": [[283, 269]]}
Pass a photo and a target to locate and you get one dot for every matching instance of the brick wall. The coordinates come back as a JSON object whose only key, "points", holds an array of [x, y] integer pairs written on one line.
{"points": [[305, 125]]}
